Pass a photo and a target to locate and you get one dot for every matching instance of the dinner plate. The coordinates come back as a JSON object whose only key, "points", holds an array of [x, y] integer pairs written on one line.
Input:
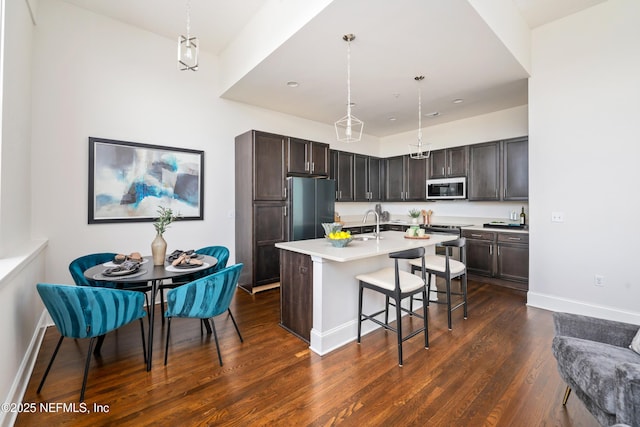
{"points": [[118, 273], [181, 269], [101, 276], [113, 264]]}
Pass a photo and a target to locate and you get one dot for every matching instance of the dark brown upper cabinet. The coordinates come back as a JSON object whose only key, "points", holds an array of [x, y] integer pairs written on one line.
{"points": [[307, 157], [405, 179], [366, 181], [499, 170], [449, 162]]}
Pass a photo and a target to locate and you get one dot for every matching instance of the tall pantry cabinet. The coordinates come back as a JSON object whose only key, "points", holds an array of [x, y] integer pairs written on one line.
{"points": [[260, 184]]}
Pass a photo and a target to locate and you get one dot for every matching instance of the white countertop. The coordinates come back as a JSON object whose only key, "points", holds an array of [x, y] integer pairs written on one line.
{"points": [[470, 223], [391, 241]]}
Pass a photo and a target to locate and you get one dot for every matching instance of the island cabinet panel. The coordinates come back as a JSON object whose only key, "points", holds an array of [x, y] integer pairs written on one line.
{"points": [[296, 294]]}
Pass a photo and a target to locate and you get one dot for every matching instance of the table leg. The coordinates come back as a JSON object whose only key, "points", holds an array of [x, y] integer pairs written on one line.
{"points": [[154, 289]]}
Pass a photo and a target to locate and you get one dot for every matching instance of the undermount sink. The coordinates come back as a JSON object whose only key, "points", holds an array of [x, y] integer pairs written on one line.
{"points": [[365, 237]]}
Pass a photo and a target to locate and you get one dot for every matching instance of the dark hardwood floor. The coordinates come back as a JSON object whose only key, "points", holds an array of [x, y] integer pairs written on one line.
{"points": [[494, 369]]}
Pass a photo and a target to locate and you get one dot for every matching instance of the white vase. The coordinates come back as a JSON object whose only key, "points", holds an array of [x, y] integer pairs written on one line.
{"points": [[159, 250], [414, 220]]}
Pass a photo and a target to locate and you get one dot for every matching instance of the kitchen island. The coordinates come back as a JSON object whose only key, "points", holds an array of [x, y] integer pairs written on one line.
{"points": [[319, 292]]}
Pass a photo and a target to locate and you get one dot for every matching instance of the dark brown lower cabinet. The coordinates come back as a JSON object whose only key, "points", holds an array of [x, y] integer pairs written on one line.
{"points": [[296, 293], [498, 258]]}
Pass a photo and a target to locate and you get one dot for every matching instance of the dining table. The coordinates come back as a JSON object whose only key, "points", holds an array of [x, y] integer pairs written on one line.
{"points": [[154, 274]]}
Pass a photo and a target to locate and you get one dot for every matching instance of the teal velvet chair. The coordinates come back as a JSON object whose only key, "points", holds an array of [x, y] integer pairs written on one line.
{"points": [[86, 312], [221, 253], [78, 266], [204, 298]]}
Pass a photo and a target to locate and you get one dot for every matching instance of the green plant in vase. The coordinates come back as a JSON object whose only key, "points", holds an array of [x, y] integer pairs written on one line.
{"points": [[414, 214], [159, 245]]}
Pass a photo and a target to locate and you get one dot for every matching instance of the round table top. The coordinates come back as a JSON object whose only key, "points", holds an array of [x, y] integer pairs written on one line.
{"points": [[148, 271]]}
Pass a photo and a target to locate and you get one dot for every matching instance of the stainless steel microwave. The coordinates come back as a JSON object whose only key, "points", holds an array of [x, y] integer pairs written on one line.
{"points": [[447, 188]]}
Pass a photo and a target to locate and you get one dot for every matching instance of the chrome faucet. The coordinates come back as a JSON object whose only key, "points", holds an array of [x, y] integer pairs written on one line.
{"points": [[377, 221]]}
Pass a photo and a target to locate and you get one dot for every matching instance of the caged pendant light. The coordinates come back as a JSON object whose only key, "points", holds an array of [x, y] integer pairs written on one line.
{"points": [[188, 47], [349, 128], [419, 151]]}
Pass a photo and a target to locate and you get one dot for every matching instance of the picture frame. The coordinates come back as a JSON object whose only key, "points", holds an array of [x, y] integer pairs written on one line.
{"points": [[129, 181]]}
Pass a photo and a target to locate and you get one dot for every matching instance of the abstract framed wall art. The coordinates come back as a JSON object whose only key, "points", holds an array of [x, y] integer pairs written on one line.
{"points": [[128, 181]]}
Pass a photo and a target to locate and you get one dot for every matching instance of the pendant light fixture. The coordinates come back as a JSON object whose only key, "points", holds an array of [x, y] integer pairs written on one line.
{"points": [[419, 151], [188, 47], [349, 128]]}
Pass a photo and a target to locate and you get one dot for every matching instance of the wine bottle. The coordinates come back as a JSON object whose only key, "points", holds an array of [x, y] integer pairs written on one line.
{"points": [[523, 217]]}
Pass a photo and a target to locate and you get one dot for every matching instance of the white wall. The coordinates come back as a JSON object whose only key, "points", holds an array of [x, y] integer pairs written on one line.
{"points": [[97, 77], [583, 155], [21, 260]]}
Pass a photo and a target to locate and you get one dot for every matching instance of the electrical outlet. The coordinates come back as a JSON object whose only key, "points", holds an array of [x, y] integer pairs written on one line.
{"points": [[557, 216], [599, 280]]}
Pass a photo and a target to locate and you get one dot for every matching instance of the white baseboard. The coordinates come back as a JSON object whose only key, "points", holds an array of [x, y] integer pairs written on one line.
{"points": [[555, 303], [19, 386]]}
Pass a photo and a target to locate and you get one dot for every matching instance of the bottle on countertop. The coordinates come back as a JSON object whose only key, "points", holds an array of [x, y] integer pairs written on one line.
{"points": [[523, 217]]}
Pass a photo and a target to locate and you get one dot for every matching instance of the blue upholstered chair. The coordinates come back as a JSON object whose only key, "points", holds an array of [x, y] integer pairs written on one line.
{"points": [[221, 253], [86, 312], [78, 266], [204, 298]]}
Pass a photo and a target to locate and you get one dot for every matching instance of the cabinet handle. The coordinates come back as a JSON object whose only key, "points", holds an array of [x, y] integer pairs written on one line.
{"points": [[496, 193], [284, 192], [340, 193], [443, 170], [476, 235], [491, 250], [313, 167], [505, 193], [306, 166], [514, 238], [285, 211], [449, 170], [498, 250]]}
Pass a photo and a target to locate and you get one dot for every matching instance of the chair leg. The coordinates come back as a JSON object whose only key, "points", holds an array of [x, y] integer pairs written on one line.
{"points": [[567, 392], [166, 345], [448, 285], [463, 283], [425, 313], [46, 372], [235, 324], [386, 311], [98, 347], [215, 337], [144, 346], [86, 369], [360, 312], [399, 329], [162, 304], [428, 288]]}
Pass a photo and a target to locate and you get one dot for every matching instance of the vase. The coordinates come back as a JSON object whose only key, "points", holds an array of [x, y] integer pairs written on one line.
{"points": [[414, 220], [159, 250]]}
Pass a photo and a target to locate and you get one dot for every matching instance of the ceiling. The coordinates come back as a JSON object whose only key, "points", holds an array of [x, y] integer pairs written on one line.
{"points": [[444, 40]]}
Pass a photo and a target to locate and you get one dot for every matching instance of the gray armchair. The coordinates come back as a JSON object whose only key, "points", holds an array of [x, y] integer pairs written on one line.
{"points": [[595, 361]]}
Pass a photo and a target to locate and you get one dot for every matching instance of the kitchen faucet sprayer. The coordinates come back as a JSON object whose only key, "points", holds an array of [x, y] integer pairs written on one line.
{"points": [[377, 221]]}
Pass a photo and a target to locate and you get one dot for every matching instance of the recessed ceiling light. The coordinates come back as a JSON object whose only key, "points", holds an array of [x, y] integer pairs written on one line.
{"points": [[392, 119], [292, 84], [458, 101], [433, 114]]}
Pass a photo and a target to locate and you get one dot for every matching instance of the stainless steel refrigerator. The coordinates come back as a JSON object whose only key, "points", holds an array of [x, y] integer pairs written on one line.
{"points": [[310, 202]]}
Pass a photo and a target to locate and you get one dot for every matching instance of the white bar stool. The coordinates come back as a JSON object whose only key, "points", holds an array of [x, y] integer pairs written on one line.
{"points": [[447, 268], [397, 285]]}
